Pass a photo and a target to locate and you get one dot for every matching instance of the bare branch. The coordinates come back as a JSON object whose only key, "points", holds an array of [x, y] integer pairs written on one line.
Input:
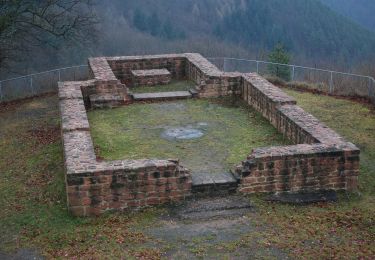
{"points": [[26, 23]]}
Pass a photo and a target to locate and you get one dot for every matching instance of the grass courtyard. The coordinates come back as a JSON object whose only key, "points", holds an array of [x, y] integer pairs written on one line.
{"points": [[33, 211], [229, 131]]}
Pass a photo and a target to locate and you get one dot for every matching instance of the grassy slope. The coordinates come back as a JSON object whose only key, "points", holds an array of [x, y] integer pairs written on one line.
{"points": [[354, 121], [232, 131], [33, 212], [342, 230], [32, 194]]}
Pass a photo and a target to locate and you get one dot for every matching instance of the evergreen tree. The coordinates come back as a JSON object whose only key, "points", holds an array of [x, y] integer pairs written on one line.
{"points": [[279, 55], [153, 24], [167, 31], [139, 20]]}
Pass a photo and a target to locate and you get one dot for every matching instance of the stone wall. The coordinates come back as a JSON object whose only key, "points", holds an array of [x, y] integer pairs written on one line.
{"points": [[263, 96], [321, 159], [150, 77], [122, 66], [104, 83], [94, 187], [318, 159], [125, 185], [209, 80], [300, 167]]}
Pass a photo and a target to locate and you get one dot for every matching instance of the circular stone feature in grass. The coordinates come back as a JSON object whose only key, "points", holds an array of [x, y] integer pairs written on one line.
{"points": [[182, 133]]}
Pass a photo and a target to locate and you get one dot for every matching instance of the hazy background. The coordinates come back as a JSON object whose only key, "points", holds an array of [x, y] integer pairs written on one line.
{"points": [[335, 34]]}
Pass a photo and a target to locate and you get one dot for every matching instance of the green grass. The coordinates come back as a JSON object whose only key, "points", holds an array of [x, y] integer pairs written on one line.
{"points": [[344, 230], [354, 121], [230, 132], [181, 85], [32, 194], [33, 202]]}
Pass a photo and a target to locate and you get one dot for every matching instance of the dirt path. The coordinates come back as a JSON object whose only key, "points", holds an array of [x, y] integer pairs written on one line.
{"points": [[212, 228]]}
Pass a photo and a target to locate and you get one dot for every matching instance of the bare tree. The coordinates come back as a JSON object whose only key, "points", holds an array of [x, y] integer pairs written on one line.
{"points": [[25, 24]]}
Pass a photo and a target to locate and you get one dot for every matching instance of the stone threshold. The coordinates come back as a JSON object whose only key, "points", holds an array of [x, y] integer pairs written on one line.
{"points": [[209, 208], [162, 96], [204, 184]]}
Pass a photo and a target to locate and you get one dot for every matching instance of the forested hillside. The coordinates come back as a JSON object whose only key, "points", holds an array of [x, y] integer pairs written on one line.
{"points": [[310, 30], [361, 11], [314, 34], [305, 27]]}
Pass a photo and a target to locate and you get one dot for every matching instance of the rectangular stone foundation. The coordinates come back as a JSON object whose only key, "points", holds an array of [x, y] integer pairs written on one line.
{"points": [[320, 159]]}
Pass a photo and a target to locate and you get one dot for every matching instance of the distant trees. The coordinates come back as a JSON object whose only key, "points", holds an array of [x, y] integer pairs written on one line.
{"points": [[153, 25], [25, 24], [279, 55], [309, 29], [139, 20]]}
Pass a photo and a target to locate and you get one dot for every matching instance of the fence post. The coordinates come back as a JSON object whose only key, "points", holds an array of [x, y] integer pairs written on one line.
{"points": [[257, 67], [371, 90], [31, 85], [59, 75], [293, 68], [225, 65], [331, 83], [1, 92]]}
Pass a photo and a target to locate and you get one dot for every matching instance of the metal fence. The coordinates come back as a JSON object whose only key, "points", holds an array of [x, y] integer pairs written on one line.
{"points": [[39, 83], [333, 82]]}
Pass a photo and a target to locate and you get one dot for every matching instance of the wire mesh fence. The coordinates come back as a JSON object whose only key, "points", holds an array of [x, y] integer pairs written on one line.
{"points": [[332, 82], [39, 83]]}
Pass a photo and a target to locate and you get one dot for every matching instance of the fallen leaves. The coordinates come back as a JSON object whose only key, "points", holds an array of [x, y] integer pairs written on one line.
{"points": [[321, 232], [45, 135]]}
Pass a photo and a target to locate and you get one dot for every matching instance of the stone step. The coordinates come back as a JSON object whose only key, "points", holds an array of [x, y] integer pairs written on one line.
{"points": [[217, 207], [194, 92], [204, 184], [106, 101], [162, 96]]}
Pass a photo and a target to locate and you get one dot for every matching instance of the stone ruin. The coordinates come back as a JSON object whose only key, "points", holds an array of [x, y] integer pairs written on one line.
{"points": [[319, 158]]}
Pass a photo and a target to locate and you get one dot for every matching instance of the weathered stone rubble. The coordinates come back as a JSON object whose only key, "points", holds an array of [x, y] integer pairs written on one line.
{"points": [[320, 159]]}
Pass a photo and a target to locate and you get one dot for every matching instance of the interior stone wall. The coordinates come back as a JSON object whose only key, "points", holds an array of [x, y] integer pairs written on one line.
{"points": [[122, 66], [209, 80], [151, 77], [104, 83]]}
